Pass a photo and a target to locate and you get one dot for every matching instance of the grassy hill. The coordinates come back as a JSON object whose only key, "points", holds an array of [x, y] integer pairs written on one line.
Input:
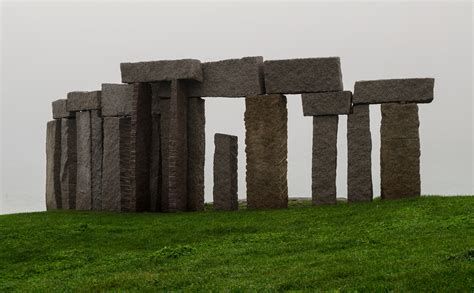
{"points": [[424, 244]]}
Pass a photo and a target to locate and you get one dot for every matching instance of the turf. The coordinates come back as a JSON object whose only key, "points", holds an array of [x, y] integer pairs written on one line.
{"points": [[423, 244]]}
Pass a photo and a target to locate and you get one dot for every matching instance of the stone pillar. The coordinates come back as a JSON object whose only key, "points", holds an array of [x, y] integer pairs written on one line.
{"points": [[84, 161], [225, 173], [266, 141], [359, 148], [400, 151], [53, 165], [155, 161], [96, 156], [196, 153], [140, 146], [68, 163], [324, 159], [164, 137]]}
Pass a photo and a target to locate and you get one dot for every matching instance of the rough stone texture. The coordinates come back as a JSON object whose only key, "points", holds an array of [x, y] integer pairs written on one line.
{"points": [[266, 142], [81, 101], [331, 103], [53, 165], [155, 161], [140, 146], [324, 159], [152, 71], [116, 99], [359, 148], [164, 137], [84, 161], [415, 90], [116, 163], [155, 97], [59, 110], [225, 173], [96, 156], [68, 163], [196, 153], [400, 151], [125, 127], [308, 75]]}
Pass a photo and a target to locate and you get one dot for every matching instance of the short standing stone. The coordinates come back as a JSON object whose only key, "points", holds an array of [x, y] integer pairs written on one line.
{"points": [[116, 99], [155, 161], [331, 103], [324, 159], [153, 71], [60, 111], [359, 148], [96, 157], [266, 141], [53, 163], [196, 121], [81, 101], [225, 172], [84, 161], [400, 151], [68, 163]]}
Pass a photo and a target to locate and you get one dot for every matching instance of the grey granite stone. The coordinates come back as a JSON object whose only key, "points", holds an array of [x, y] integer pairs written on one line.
{"points": [[116, 99], [84, 161], [324, 159], [196, 121], [96, 157], [82, 101], [266, 140], [68, 163], [414, 90], [330, 103], [59, 110], [400, 151], [307, 75], [155, 162], [359, 148], [53, 165], [225, 173], [153, 71]]}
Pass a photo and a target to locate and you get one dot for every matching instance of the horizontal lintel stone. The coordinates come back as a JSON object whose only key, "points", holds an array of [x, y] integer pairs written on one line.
{"points": [[60, 111], [82, 101], [152, 71], [116, 99], [330, 103], [409, 90]]}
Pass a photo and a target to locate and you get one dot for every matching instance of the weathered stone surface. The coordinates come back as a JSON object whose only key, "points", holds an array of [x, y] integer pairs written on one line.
{"points": [[53, 165], [400, 151], [266, 140], [155, 97], [225, 172], [324, 159], [116, 99], [84, 161], [359, 148], [68, 163], [164, 137], [196, 153], [81, 101], [152, 71], [331, 103], [140, 146], [415, 90], [59, 110], [155, 161], [96, 157], [307, 75]]}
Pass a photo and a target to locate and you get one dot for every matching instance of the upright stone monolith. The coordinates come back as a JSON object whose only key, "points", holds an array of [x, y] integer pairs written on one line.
{"points": [[155, 164], [225, 173], [164, 143], [266, 141], [96, 157], [68, 163], [84, 161], [53, 165], [196, 121]]}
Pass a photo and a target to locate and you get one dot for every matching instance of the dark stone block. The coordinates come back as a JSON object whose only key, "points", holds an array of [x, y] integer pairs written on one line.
{"points": [[96, 157], [53, 165], [68, 163], [359, 148], [59, 110], [116, 99], [84, 161], [414, 90], [153, 71], [82, 101], [164, 142], [196, 153], [324, 159], [308, 75], [225, 173], [155, 161], [331, 103], [266, 141]]}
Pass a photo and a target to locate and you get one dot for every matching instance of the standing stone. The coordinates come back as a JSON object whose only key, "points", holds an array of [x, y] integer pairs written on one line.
{"points": [[155, 161], [324, 159], [164, 143], [140, 146], [266, 141], [359, 148], [53, 165], [96, 156], [196, 153], [400, 151], [225, 173], [68, 163], [84, 161]]}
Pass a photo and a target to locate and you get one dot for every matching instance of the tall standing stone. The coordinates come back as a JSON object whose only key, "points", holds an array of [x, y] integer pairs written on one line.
{"points": [[84, 161], [359, 148], [96, 156], [266, 141], [155, 161], [68, 163], [400, 151], [324, 159], [196, 121], [53, 165], [164, 143], [225, 172]]}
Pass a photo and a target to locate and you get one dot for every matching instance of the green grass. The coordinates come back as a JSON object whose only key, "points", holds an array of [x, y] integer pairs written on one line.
{"points": [[424, 244]]}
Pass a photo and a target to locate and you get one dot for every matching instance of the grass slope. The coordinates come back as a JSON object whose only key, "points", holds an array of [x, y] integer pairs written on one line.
{"points": [[424, 244]]}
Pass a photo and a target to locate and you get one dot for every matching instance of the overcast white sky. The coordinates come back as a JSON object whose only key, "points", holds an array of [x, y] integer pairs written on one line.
{"points": [[51, 48]]}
